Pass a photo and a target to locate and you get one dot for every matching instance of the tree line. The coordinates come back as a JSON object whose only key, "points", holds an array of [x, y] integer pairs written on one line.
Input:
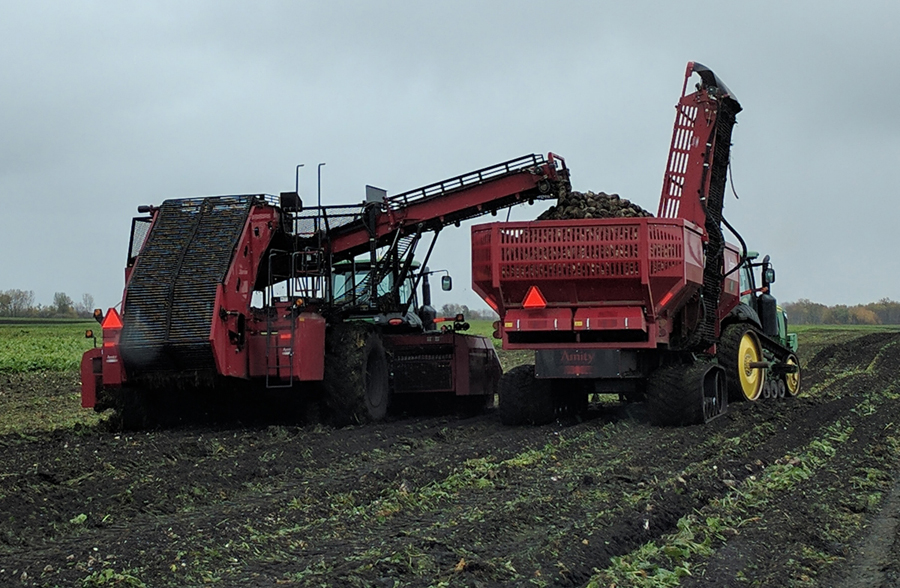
{"points": [[20, 303], [807, 312], [801, 312], [449, 310]]}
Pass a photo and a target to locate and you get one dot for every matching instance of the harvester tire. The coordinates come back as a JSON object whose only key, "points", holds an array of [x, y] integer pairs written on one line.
{"points": [[686, 394], [523, 399], [357, 389], [738, 347]]}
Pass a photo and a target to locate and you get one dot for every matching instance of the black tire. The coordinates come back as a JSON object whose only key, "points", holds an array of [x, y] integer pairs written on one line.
{"points": [[357, 388], [728, 351], [689, 394], [524, 400]]}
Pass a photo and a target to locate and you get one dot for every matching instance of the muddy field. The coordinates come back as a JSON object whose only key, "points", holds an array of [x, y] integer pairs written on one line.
{"points": [[797, 493]]}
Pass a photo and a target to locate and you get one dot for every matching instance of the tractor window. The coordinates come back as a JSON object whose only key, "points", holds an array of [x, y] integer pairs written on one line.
{"points": [[406, 290], [342, 284], [257, 299], [746, 286]]}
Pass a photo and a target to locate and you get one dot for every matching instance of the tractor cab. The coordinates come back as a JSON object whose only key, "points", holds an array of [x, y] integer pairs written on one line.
{"points": [[756, 279], [393, 302]]}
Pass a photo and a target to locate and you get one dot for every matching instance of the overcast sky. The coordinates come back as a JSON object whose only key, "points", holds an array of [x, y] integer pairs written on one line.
{"points": [[108, 105]]}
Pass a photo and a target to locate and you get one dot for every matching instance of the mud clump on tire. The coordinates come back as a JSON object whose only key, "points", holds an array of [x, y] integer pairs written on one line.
{"points": [[356, 375], [578, 205]]}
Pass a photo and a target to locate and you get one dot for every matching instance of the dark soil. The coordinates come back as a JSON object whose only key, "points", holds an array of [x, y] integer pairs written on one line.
{"points": [[800, 492]]}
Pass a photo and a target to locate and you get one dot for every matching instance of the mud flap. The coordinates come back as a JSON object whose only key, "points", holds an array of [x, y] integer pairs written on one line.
{"points": [[91, 377]]}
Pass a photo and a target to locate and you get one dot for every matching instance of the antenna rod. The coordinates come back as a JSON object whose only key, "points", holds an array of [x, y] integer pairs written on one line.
{"points": [[297, 179], [319, 171]]}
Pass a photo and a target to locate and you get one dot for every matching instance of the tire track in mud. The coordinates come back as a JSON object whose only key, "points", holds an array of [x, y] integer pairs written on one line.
{"points": [[872, 566], [801, 522], [365, 459], [571, 531]]}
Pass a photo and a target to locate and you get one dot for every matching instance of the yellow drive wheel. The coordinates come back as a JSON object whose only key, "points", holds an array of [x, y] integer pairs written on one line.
{"points": [[739, 348], [792, 381]]}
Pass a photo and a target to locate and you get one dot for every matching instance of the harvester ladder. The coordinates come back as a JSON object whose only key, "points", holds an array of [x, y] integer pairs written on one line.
{"points": [[277, 345]]}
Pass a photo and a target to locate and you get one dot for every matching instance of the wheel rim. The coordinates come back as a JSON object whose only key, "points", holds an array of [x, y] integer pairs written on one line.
{"points": [[751, 379], [792, 381]]}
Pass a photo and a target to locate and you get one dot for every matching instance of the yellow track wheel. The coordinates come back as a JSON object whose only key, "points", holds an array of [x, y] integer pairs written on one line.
{"points": [[738, 349], [792, 381], [752, 379]]}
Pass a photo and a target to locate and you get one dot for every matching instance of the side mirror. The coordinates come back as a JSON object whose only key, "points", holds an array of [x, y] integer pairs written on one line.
{"points": [[769, 276], [446, 283]]}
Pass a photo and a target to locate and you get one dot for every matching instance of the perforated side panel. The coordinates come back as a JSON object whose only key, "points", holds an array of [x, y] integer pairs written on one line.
{"points": [[679, 154], [579, 261], [586, 251]]}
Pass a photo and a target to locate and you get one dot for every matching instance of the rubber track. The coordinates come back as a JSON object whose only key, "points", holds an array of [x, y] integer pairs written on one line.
{"points": [[675, 395]]}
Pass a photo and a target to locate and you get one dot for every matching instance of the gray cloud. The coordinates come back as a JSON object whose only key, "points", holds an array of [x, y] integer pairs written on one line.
{"points": [[109, 105]]}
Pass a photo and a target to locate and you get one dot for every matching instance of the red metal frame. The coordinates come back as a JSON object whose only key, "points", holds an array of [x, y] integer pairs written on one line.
{"points": [[287, 352], [614, 283], [474, 368], [91, 376], [686, 180], [441, 204], [605, 262], [595, 274], [283, 344]]}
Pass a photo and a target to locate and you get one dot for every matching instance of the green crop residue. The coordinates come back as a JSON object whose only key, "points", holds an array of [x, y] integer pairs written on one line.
{"points": [[662, 563], [43, 347]]}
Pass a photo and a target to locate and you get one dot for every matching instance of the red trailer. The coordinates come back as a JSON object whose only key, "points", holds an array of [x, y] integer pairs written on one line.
{"points": [[661, 308]]}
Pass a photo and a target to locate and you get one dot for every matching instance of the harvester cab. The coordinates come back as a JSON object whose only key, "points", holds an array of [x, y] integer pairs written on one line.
{"points": [[396, 308]]}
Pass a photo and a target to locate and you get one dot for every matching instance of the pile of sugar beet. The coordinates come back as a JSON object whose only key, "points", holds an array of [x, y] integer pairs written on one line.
{"points": [[591, 205]]}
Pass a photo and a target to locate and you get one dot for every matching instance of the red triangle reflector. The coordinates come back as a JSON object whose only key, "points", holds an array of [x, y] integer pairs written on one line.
{"points": [[534, 299], [112, 320]]}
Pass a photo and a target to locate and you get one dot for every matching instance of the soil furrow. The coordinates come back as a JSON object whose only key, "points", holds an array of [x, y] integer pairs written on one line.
{"points": [[467, 502]]}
